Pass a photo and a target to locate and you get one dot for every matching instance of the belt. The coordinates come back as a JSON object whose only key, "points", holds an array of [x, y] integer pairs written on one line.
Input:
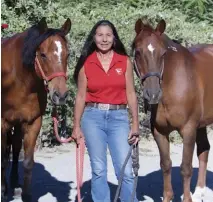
{"points": [[102, 106]]}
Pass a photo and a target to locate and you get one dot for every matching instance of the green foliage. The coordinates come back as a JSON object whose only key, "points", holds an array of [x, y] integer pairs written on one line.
{"points": [[196, 10], [187, 20]]}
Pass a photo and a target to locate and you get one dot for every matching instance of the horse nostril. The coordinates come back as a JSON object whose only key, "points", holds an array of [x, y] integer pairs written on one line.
{"points": [[58, 98], [65, 96], [56, 94], [146, 94], [55, 97]]}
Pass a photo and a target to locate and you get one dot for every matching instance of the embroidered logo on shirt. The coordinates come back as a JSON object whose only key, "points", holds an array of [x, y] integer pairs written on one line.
{"points": [[119, 71]]}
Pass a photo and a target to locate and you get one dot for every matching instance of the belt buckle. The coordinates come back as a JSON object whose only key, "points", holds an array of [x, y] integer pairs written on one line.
{"points": [[103, 106]]}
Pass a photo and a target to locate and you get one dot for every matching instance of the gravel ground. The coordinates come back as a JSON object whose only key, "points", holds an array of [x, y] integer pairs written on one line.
{"points": [[54, 175]]}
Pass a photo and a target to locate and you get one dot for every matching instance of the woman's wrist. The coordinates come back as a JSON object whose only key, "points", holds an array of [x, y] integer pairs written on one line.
{"points": [[76, 125], [135, 125]]}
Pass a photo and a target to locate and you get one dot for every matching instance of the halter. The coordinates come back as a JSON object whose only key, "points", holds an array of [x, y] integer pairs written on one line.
{"points": [[42, 75]]}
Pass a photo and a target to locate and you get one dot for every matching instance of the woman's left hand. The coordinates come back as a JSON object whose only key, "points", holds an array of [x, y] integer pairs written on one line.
{"points": [[134, 137]]}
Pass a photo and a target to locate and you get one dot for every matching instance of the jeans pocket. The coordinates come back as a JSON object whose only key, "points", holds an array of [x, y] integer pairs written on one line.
{"points": [[121, 115], [86, 109], [86, 112], [124, 112]]}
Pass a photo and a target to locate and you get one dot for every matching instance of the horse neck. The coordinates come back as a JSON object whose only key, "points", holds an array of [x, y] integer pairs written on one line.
{"points": [[170, 43], [176, 60]]}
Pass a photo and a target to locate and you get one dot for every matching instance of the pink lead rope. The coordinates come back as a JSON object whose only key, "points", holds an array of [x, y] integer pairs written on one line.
{"points": [[80, 150]]}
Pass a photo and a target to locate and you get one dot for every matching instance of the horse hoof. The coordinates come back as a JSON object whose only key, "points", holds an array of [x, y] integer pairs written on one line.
{"points": [[17, 193], [198, 194], [26, 197], [187, 200], [167, 200]]}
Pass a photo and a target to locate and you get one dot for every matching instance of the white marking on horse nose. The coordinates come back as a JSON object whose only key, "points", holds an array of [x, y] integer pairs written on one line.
{"points": [[151, 48], [59, 50]]}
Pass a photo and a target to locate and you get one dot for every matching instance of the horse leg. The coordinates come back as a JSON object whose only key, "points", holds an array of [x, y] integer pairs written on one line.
{"points": [[4, 159], [188, 132], [203, 148], [16, 148], [165, 163], [31, 132]]}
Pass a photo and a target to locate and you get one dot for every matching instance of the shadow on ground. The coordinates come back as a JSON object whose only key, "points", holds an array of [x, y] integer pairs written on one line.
{"points": [[43, 183], [151, 185]]}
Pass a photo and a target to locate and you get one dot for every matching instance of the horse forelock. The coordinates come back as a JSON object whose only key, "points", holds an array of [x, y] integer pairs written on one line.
{"points": [[147, 28], [33, 40]]}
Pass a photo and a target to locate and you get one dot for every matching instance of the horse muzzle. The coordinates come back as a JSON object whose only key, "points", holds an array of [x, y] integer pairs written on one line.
{"points": [[58, 98], [152, 97]]}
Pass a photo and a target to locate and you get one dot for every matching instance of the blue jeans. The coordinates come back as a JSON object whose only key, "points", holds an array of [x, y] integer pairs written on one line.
{"points": [[102, 128]]}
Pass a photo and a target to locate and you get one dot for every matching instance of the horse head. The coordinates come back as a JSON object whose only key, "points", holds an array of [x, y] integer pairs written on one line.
{"points": [[149, 50], [46, 50]]}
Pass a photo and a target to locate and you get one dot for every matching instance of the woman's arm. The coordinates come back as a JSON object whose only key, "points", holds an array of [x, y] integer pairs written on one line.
{"points": [[80, 97], [79, 104], [131, 97]]}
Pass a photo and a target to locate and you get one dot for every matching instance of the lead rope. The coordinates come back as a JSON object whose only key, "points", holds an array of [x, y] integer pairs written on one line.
{"points": [[134, 150], [80, 150]]}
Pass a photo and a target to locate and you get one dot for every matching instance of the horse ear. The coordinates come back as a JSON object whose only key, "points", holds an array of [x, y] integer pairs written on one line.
{"points": [[138, 26], [161, 27], [66, 26], [42, 25]]}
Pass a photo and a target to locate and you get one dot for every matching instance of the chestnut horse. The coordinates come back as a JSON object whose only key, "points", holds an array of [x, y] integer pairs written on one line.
{"points": [[177, 85], [32, 61]]}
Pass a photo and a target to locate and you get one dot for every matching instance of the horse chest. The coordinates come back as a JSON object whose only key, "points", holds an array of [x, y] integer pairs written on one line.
{"points": [[169, 117], [22, 109]]}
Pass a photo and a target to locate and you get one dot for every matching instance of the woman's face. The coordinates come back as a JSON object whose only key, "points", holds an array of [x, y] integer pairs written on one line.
{"points": [[104, 38]]}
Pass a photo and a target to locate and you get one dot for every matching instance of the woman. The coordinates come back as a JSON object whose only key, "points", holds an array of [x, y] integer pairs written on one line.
{"points": [[104, 76]]}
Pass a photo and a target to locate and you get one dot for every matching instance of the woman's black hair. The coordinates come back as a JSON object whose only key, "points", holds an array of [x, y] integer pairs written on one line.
{"points": [[90, 46]]}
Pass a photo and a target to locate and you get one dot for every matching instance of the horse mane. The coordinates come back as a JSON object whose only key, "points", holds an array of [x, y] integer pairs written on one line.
{"points": [[32, 41]]}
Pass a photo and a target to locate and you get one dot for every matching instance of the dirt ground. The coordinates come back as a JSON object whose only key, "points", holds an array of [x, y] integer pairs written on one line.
{"points": [[54, 174]]}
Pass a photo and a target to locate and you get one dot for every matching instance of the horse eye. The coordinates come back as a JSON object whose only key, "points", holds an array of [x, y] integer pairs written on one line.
{"points": [[137, 53], [43, 56], [164, 53]]}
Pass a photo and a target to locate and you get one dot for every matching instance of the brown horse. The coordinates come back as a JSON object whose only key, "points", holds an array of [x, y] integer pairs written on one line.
{"points": [[32, 61], [177, 85]]}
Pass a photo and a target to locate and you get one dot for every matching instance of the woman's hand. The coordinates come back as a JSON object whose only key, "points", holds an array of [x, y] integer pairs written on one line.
{"points": [[77, 134], [134, 137]]}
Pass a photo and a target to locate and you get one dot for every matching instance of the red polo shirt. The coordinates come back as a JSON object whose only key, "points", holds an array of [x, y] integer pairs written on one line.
{"points": [[102, 87]]}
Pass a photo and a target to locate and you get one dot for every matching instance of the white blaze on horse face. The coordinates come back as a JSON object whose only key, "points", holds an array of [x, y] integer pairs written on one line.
{"points": [[151, 48], [59, 50]]}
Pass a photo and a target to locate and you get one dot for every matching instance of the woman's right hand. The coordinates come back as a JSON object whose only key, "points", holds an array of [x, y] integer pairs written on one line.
{"points": [[77, 134]]}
